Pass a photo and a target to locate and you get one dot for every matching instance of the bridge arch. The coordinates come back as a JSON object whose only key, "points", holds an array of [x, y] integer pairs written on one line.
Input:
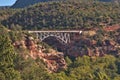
{"points": [[58, 38], [55, 43], [63, 37]]}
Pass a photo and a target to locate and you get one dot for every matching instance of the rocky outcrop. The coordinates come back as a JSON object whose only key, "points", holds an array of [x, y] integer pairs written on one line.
{"points": [[54, 60], [91, 48], [112, 28], [80, 45]]}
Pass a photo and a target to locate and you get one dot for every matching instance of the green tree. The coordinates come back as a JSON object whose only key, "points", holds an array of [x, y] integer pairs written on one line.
{"points": [[7, 56], [68, 60]]}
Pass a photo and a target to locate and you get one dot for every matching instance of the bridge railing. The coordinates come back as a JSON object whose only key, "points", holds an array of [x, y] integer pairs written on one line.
{"points": [[57, 31]]}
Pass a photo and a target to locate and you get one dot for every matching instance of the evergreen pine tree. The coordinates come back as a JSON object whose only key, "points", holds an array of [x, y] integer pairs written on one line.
{"points": [[7, 56]]}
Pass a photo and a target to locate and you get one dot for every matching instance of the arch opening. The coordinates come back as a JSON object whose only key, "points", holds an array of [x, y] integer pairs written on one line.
{"points": [[55, 43]]}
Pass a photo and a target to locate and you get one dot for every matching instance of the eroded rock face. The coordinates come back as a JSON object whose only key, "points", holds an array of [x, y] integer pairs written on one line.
{"points": [[54, 60], [82, 45], [79, 46], [92, 48]]}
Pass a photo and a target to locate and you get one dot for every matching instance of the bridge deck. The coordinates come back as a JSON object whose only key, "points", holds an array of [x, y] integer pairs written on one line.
{"points": [[57, 31]]}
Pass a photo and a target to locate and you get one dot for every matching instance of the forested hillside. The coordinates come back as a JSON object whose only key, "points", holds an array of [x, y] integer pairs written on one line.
{"points": [[15, 65], [26, 3], [5, 13], [71, 14], [92, 55], [109, 0]]}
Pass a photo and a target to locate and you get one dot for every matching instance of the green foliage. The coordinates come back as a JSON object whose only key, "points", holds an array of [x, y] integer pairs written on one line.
{"points": [[67, 14], [16, 33], [12, 74], [2, 76], [7, 56], [6, 13], [81, 68], [58, 15], [31, 69], [68, 60], [86, 68], [6, 50]]}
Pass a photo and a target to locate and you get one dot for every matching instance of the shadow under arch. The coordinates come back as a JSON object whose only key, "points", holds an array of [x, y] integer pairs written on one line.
{"points": [[56, 43]]}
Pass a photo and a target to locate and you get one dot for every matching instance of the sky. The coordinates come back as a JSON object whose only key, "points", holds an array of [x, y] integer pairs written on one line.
{"points": [[7, 2]]}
